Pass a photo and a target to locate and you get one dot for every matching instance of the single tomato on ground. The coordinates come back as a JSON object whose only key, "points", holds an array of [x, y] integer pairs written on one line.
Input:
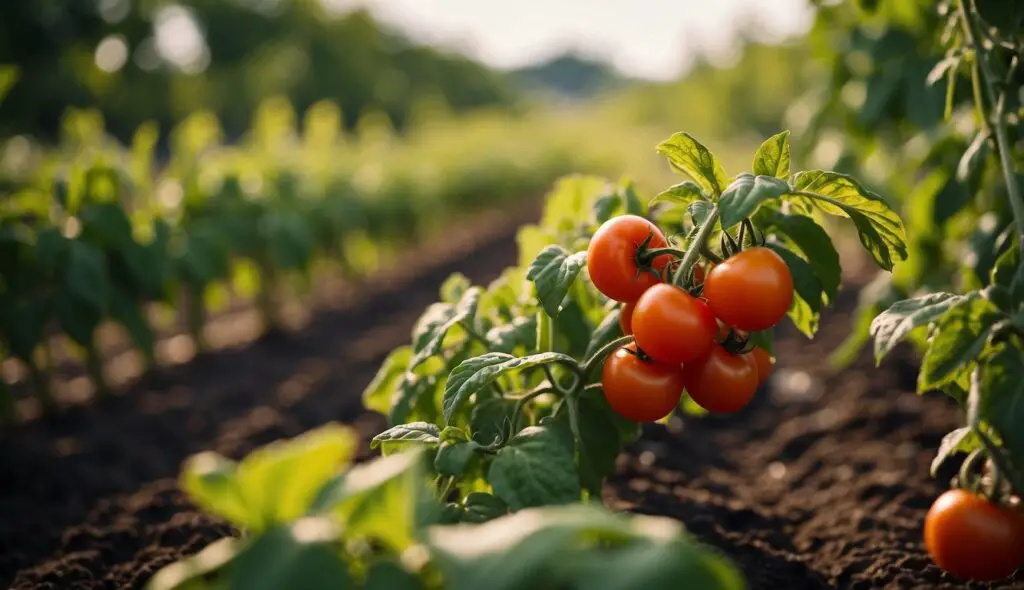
{"points": [[672, 326], [972, 538], [640, 390], [611, 257], [721, 382], [750, 291]]}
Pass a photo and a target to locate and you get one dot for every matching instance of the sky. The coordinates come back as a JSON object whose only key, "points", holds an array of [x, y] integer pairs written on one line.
{"points": [[654, 39]]}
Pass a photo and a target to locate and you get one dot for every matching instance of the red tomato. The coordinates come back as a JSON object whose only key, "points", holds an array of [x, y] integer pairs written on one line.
{"points": [[626, 318], [640, 390], [611, 257], [765, 364], [722, 382], [973, 539], [672, 326], [751, 291]]}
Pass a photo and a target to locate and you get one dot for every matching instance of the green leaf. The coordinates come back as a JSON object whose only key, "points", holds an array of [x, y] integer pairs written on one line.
{"points": [[961, 440], [390, 575], [1002, 398], [1005, 16], [430, 331], [105, 225], [492, 420], [85, 275], [553, 272], [521, 332], [699, 211], [763, 339], [452, 458], [454, 287], [806, 309], [51, 245], [534, 469], [960, 337], [480, 507], [814, 243], [690, 157], [745, 193], [8, 78], [880, 228], [377, 499], [972, 163], [476, 373], [608, 330], [22, 324], [77, 318], [772, 158], [211, 483], [893, 325], [379, 393], [681, 194], [301, 555], [279, 482], [129, 313], [399, 438], [204, 570], [598, 450]]}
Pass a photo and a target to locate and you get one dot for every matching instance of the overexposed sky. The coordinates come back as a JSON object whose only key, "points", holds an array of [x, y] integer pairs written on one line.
{"points": [[654, 39]]}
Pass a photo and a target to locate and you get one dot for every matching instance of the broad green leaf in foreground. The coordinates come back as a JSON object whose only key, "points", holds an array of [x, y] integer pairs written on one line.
{"points": [[690, 157], [893, 324], [553, 272]]}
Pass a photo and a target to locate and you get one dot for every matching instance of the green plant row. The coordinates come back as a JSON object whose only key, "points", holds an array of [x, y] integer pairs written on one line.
{"points": [[93, 232]]}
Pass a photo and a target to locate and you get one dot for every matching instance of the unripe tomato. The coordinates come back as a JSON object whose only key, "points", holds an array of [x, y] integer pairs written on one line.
{"points": [[750, 291], [765, 364], [626, 318], [973, 539], [640, 390], [672, 326], [611, 257], [721, 382]]}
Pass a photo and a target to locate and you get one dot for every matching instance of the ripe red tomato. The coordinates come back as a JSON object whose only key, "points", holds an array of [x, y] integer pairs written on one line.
{"points": [[765, 364], [626, 318], [973, 539], [640, 390], [672, 326], [721, 382], [751, 291], [611, 257]]}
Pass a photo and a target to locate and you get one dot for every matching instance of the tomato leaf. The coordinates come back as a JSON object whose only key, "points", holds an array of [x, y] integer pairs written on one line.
{"points": [[454, 287], [378, 499], [961, 440], [106, 225], [211, 482], [553, 272], [480, 507], [506, 338], [200, 571], [85, 275], [745, 193], [299, 555], [1001, 402], [972, 163], [492, 420], [681, 194], [534, 469], [453, 458], [474, 374], [892, 325], [772, 158], [128, 312], [690, 157], [598, 451], [764, 339], [390, 575], [433, 326], [880, 228], [960, 337], [379, 393], [815, 245], [398, 438], [806, 309]]}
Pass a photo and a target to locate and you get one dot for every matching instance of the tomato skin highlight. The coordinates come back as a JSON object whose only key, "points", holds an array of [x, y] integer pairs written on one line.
{"points": [[672, 326], [765, 364], [640, 390], [626, 318], [973, 539], [721, 382], [750, 291], [611, 257]]}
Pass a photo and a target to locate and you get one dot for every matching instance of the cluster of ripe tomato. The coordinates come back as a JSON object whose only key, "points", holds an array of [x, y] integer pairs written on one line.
{"points": [[682, 341]]}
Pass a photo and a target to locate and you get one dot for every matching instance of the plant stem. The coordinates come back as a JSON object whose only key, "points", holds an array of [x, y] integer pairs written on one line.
{"points": [[195, 315], [574, 425], [693, 252], [999, 124], [602, 352]]}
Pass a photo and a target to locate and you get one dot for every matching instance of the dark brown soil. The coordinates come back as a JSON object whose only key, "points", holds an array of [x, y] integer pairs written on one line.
{"points": [[822, 483]]}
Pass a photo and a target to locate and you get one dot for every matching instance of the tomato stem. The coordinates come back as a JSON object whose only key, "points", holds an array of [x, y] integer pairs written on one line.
{"points": [[523, 400], [696, 246], [999, 462], [598, 357], [971, 31]]}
